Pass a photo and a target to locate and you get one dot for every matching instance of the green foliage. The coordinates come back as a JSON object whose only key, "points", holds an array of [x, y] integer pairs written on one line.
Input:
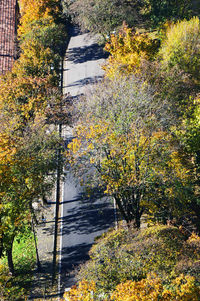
{"points": [[24, 257], [156, 11], [48, 34], [42, 39], [126, 255], [103, 16], [176, 76], [42, 47], [182, 47], [25, 178]]}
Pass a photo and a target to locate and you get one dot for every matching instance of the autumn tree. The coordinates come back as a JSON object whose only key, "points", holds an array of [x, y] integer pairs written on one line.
{"points": [[27, 143], [175, 76], [26, 174], [123, 144], [127, 51], [37, 10]]}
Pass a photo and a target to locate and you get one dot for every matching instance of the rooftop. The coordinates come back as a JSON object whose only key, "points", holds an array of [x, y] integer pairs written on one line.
{"points": [[8, 11]]}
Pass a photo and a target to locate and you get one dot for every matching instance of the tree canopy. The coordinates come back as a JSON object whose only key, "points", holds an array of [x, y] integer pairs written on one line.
{"points": [[125, 145]]}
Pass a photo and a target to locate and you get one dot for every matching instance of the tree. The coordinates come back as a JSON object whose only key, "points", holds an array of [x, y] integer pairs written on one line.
{"points": [[127, 51], [157, 12], [26, 175], [27, 144], [123, 144], [36, 10], [176, 77], [103, 16]]}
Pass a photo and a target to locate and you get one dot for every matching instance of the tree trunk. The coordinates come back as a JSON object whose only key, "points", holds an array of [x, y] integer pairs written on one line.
{"points": [[10, 258], [121, 209], [137, 211], [1, 246], [137, 219]]}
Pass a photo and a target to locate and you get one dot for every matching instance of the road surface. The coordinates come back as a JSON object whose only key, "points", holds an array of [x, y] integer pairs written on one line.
{"points": [[82, 65], [82, 218]]}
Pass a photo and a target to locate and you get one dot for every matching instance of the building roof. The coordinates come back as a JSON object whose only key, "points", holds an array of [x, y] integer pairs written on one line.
{"points": [[8, 11]]}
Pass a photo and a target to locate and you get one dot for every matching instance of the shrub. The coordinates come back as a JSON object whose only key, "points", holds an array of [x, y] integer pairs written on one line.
{"points": [[83, 292], [183, 288], [182, 47], [129, 255], [127, 50], [152, 289]]}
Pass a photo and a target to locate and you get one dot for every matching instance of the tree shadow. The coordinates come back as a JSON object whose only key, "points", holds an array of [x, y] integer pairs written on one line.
{"points": [[42, 288], [85, 81], [86, 53], [86, 218]]}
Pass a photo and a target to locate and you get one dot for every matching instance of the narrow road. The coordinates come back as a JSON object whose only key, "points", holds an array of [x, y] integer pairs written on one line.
{"points": [[82, 63], [82, 218]]}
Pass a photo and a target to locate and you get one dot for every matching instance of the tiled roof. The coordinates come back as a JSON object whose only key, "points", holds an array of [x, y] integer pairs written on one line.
{"points": [[7, 34]]}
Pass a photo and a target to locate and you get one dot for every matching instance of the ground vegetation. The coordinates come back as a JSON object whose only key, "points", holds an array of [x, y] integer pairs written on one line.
{"points": [[159, 262]]}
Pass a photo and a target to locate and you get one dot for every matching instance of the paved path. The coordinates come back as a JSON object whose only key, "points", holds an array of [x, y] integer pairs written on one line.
{"points": [[42, 284], [83, 218], [82, 63]]}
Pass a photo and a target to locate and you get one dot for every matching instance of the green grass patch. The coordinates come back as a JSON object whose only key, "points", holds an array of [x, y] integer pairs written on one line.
{"points": [[18, 287]]}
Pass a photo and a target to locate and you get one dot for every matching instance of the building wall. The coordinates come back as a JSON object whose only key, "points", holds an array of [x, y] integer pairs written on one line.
{"points": [[8, 24]]}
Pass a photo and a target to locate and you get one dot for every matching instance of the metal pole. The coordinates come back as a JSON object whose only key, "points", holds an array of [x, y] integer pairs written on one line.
{"points": [[57, 192]]}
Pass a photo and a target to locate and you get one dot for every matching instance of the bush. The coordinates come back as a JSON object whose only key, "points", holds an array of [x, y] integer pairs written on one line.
{"points": [[129, 255], [149, 289], [182, 47], [127, 50], [152, 289]]}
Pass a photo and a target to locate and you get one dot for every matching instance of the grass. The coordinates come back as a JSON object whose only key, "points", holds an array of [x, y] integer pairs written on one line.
{"points": [[18, 287]]}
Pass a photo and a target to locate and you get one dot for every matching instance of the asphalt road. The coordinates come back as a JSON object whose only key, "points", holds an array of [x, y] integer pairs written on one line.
{"points": [[82, 63], [82, 218]]}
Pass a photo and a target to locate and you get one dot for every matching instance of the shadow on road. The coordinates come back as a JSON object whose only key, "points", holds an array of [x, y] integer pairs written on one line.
{"points": [[87, 53], [84, 82], [86, 219]]}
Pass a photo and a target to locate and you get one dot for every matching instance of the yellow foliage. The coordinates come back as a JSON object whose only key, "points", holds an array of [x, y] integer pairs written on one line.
{"points": [[144, 290], [152, 289], [83, 292], [33, 10], [21, 95], [148, 289], [194, 238], [182, 46], [127, 51]]}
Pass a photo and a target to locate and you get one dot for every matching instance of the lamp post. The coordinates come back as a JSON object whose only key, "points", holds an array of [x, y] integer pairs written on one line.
{"points": [[57, 187]]}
